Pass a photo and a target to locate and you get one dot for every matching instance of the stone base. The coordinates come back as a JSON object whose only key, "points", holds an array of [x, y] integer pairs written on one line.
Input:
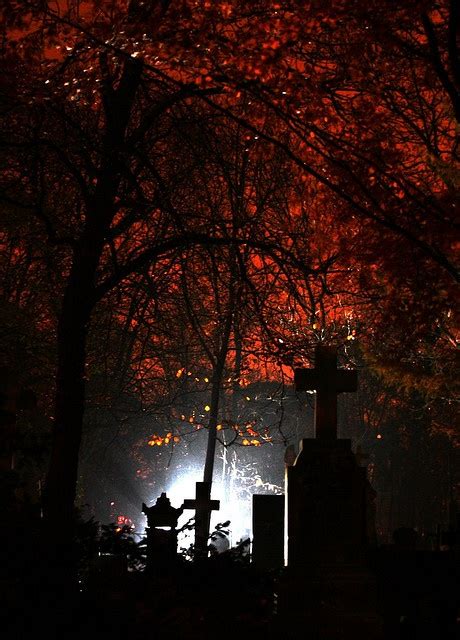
{"points": [[329, 508]]}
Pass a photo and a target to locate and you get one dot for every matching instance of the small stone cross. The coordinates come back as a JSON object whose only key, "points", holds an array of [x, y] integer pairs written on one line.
{"points": [[328, 381], [203, 506]]}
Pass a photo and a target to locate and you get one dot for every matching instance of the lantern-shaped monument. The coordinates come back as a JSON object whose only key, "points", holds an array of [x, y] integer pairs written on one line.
{"points": [[161, 533]]}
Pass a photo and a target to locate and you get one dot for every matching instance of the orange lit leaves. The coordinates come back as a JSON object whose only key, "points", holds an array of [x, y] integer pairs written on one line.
{"points": [[159, 441]]}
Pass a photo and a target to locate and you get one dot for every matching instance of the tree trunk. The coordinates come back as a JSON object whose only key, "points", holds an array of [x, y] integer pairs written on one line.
{"points": [[60, 489], [213, 421], [69, 406], [78, 303]]}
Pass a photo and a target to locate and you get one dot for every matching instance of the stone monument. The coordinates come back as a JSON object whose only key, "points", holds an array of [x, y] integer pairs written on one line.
{"points": [[268, 531], [161, 533], [203, 506], [328, 495], [329, 508]]}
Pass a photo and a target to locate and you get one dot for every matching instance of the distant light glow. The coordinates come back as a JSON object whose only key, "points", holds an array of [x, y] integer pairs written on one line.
{"points": [[182, 486]]}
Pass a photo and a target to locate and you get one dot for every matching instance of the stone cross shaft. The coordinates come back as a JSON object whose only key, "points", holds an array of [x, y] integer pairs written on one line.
{"points": [[203, 505], [328, 381]]}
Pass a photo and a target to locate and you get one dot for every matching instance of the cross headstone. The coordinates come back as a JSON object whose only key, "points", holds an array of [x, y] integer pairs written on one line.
{"points": [[328, 381], [203, 505], [329, 505]]}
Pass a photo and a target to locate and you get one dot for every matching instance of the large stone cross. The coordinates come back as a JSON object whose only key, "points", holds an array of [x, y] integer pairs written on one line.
{"points": [[203, 506], [328, 381]]}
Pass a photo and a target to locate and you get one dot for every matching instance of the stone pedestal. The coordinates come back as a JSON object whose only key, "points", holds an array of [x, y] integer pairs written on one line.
{"points": [[329, 505], [161, 534], [327, 586]]}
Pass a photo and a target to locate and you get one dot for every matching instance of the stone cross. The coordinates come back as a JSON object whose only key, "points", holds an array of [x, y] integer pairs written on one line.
{"points": [[203, 506], [328, 381]]}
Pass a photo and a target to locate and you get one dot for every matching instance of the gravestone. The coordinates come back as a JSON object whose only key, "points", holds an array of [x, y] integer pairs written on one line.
{"points": [[161, 533], [328, 501], [328, 494], [203, 506], [327, 381], [268, 531], [329, 523]]}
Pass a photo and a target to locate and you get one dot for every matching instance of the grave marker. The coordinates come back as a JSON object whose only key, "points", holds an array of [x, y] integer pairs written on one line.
{"points": [[161, 533], [203, 506], [328, 381], [268, 531], [329, 518]]}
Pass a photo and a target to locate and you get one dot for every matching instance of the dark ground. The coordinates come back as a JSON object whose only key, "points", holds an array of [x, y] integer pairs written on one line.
{"points": [[417, 592], [222, 599]]}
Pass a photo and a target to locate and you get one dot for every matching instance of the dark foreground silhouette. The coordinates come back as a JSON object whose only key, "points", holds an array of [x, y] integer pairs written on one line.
{"points": [[221, 597]]}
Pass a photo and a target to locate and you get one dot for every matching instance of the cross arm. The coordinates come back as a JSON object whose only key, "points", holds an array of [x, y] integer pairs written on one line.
{"points": [[189, 504], [305, 379], [346, 380], [341, 380]]}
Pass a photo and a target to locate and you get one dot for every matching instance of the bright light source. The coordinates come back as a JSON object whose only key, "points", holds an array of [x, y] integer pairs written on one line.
{"points": [[182, 486]]}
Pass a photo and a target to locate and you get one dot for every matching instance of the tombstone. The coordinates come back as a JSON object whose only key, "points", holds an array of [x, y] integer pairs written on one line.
{"points": [[327, 490], [328, 500], [203, 506], [329, 526], [268, 531], [161, 533]]}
